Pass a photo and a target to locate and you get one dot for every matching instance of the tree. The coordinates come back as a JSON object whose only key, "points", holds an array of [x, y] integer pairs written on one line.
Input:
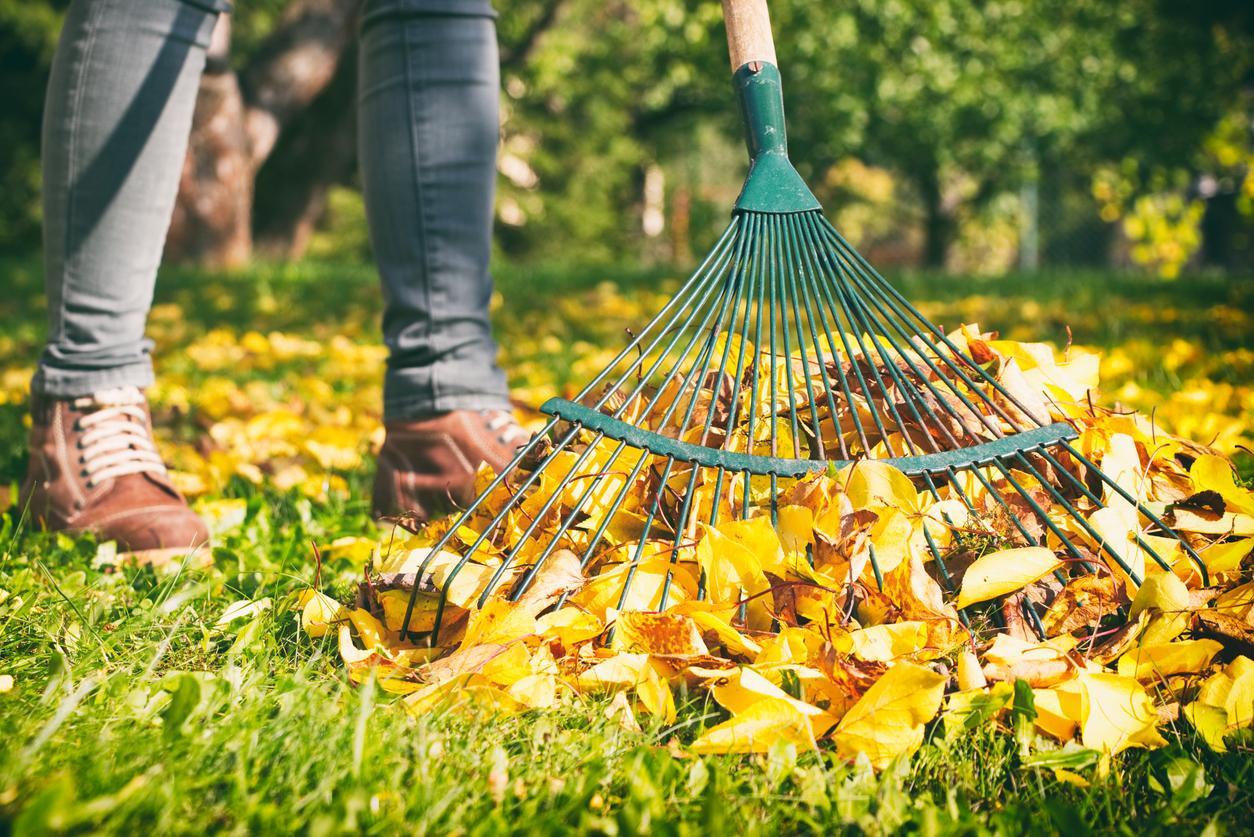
{"points": [[240, 117], [961, 97]]}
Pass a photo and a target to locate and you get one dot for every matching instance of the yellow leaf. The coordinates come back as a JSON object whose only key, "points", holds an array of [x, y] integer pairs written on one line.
{"points": [[888, 720], [512, 664], [1214, 473], [1116, 713], [604, 592], [885, 643], [369, 629], [1237, 602], [1150, 662], [242, 609], [791, 646], [1117, 529], [870, 484], [1005, 571], [335, 448], [758, 728], [355, 549], [1240, 701], [464, 588], [569, 625], [318, 612], [655, 693], [657, 633], [970, 676], [395, 603], [1226, 557], [759, 538], [500, 620], [535, 691], [1058, 710], [619, 670], [796, 528], [708, 618], [1225, 703], [1062, 774], [1167, 599], [731, 569], [223, 515], [741, 688], [1211, 722]]}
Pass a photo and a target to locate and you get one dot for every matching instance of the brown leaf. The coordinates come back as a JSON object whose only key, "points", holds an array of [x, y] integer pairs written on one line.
{"points": [[1113, 648], [658, 633], [1038, 673], [465, 661], [1016, 623], [1210, 502], [560, 575], [1232, 632], [1082, 604]]}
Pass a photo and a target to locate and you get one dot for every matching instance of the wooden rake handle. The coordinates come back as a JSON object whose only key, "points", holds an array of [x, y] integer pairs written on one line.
{"points": [[748, 32]]}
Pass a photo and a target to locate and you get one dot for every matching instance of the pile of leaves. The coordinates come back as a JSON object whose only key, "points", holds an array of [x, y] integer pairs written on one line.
{"points": [[853, 607]]}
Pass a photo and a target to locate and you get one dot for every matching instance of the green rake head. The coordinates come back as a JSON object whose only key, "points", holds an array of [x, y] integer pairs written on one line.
{"points": [[784, 354]]}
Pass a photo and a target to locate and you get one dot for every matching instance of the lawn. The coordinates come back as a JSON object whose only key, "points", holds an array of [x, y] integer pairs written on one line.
{"points": [[143, 700]]}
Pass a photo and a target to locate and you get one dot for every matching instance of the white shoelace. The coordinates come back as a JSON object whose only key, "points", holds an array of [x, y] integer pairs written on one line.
{"points": [[509, 432], [115, 440]]}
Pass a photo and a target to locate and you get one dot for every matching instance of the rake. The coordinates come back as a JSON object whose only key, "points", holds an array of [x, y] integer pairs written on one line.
{"points": [[784, 354]]}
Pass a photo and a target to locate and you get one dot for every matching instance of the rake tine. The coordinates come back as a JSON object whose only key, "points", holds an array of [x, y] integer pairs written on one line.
{"points": [[1140, 507], [835, 282], [808, 276], [478, 501], [777, 288], [644, 535], [790, 247], [813, 286], [695, 283], [885, 319], [1075, 515], [858, 259]]}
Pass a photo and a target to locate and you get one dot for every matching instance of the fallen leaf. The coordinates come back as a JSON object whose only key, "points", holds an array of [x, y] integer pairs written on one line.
{"points": [[1116, 713], [888, 720], [1005, 571], [1083, 602]]}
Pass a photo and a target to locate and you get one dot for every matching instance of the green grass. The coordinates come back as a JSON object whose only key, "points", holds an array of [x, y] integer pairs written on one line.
{"points": [[132, 709]]}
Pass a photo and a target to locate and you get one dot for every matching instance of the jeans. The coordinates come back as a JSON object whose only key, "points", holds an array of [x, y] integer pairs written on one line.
{"points": [[116, 123]]}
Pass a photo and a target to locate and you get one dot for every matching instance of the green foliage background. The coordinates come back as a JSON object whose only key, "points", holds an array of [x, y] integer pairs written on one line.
{"points": [[961, 101]]}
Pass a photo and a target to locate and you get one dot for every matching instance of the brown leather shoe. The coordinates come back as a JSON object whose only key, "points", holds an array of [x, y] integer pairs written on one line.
{"points": [[427, 467], [94, 468]]}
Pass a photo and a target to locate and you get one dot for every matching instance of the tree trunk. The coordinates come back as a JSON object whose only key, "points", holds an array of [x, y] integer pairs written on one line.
{"points": [[318, 151], [212, 218], [239, 121], [938, 223]]}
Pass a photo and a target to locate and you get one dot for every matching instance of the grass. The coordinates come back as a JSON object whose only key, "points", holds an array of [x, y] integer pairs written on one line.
{"points": [[134, 707]]}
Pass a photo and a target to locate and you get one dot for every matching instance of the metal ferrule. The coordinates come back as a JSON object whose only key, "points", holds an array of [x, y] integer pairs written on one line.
{"points": [[773, 184]]}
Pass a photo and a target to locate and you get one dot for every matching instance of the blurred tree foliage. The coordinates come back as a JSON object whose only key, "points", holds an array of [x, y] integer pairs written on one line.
{"points": [[961, 100], [28, 37]]}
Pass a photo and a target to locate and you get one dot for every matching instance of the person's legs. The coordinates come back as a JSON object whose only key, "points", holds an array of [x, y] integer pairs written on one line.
{"points": [[116, 122], [428, 132]]}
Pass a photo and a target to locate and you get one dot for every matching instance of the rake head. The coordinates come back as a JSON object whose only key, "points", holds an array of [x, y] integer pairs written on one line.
{"points": [[783, 356]]}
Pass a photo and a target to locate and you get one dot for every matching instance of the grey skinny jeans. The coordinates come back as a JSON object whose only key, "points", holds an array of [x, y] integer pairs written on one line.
{"points": [[116, 122]]}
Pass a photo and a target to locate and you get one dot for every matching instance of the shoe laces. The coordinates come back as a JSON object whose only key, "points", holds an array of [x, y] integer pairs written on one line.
{"points": [[115, 440], [508, 431]]}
